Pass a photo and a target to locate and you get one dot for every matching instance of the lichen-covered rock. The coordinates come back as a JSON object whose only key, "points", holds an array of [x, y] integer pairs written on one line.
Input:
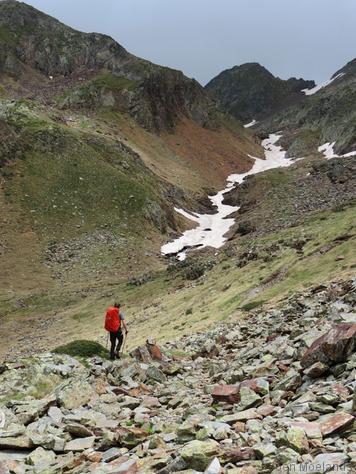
{"points": [[41, 458], [74, 394], [199, 454], [296, 439]]}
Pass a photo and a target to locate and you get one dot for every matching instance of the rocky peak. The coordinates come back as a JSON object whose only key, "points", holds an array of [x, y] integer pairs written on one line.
{"points": [[47, 45], [250, 91], [49, 58]]}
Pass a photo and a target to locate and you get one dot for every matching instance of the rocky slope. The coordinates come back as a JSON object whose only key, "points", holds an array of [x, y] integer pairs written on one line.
{"points": [[326, 116], [270, 394], [251, 92], [305, 190]]}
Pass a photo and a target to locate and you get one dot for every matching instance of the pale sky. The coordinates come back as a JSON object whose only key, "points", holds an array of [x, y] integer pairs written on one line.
{"points": [[303, 38]]}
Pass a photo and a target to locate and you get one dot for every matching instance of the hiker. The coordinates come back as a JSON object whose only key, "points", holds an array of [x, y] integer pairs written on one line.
{"points": [[114, 320]]}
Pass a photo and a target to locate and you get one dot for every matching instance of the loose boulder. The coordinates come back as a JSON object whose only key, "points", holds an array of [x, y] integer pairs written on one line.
{"points": [[333, 347]]}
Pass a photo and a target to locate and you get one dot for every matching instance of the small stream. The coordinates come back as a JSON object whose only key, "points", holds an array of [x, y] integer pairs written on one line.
{"points": [[212, 228]]}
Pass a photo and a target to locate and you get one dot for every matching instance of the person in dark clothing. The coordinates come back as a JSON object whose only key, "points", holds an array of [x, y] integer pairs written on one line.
{"points": [[117, 320]]}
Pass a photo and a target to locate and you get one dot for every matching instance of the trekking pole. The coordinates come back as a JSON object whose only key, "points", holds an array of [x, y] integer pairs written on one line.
{"points": [[107, 342], [124, 343]]}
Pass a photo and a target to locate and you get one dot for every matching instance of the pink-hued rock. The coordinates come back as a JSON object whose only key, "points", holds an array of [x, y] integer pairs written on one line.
{"points": [[337, 422], [311, 429], [332, 347], [237, 454], [231, 393], [266, 410], [226, 393], [151, 402], [141, 353], [154, 350]]}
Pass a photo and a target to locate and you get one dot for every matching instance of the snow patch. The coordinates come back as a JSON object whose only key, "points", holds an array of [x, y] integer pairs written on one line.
{"points": [[320, 86], [251, 124], [328, 150], [212, 228]]}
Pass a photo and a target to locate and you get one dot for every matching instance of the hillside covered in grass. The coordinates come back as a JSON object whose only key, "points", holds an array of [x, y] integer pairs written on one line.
{"points": [[98, 148]]}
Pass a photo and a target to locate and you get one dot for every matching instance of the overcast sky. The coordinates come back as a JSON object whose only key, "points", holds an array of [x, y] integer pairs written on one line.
{"points": [[308, 38]]}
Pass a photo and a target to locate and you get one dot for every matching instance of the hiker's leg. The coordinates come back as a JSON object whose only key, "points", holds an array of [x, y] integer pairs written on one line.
{"points": [[113, 343], [120, 338]]}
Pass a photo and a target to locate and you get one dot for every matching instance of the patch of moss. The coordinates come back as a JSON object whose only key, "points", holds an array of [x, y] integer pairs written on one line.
{"points": [[114, 82], [89, 94], [83, 348], [7, 37], [2, 91], [44, 386], [252, 305]]}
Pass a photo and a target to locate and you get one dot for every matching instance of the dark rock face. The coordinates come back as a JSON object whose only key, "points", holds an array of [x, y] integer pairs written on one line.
{"points": [[38, 40], [333, 347], [168, 95], [296, 85], [250, 91]]}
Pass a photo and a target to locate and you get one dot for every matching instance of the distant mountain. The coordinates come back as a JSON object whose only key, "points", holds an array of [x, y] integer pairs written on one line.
{"points": [[250, 91]]}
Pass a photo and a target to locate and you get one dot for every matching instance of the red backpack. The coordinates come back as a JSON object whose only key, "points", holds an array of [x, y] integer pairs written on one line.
{"points": [[112, 319]]}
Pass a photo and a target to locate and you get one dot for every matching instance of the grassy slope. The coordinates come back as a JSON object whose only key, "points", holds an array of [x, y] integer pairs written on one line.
{"points": [[67, 300], [77, 204], [66, 186], [159, 307]]}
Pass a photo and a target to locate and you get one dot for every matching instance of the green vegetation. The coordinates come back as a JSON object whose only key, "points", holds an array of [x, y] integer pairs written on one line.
{"points": [[88, 190], [2, 91], [252, 305], [7, 37], [83, 348], [114, 83], [100, 92], [224, 292], [81, 180], [43, 385]]}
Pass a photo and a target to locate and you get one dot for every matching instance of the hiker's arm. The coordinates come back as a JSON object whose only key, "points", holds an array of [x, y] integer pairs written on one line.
{"points": [[125, 327]]}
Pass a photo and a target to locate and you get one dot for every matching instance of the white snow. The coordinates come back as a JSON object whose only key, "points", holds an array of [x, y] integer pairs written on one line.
{"points": [[322, 85], [212, 228], [328, 150], [250, 124]]}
